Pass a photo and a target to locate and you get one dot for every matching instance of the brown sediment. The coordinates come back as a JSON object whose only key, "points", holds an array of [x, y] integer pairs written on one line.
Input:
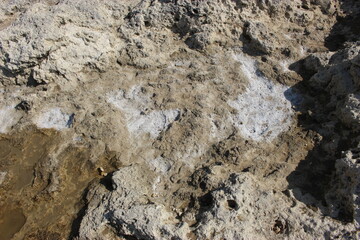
{"points": [[40, 201], [11, 221]]}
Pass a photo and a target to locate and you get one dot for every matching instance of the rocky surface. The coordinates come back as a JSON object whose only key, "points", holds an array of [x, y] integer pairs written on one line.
{"points": [[179, 119]]}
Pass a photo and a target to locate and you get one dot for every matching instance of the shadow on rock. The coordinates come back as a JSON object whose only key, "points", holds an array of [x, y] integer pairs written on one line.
{"points": [[311, 180], [328, 80], [347, 28], [75, 226]]}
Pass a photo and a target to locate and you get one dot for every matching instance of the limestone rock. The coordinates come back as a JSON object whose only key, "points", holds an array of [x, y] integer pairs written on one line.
{"points": [[316, 62], [127, 210], [259, 37], [344, 195], [240, 208], [180, 119], [349, 112]]}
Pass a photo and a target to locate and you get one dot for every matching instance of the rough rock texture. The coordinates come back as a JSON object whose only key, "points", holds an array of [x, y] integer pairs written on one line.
{"points": [[346, 186], [154, 119], [241, 207]]}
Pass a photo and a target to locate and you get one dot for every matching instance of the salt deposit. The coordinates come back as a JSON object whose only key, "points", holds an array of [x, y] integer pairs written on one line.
{"points": [[2, 177], [139, 119], [160, 165], [52, 118], [263, 110], [8, 118]]}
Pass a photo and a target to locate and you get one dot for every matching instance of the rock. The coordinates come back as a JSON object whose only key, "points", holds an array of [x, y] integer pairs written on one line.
{"points": [[355, 71], [240, 208], [8, 118], [127, 209], [335, 76], [349, 111], [259, 36], [316, 62], [325, 5], [213, 119], [344, 195], [231, 212]]}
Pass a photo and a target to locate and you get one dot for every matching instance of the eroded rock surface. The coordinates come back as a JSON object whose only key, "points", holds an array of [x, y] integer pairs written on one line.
{"points": [[182, 119]]}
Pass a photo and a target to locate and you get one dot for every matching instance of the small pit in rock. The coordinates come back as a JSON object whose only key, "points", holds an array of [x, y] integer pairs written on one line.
{"points": [[232, 204], [206, 200], [279, 227]]}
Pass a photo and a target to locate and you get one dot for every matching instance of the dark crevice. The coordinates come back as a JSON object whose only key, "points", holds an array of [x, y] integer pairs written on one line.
{"points": [[75, 226], [32, 82], [232, 204], [315, 173], [206, 201], [347, 28], [107, 182], [23, 106]]}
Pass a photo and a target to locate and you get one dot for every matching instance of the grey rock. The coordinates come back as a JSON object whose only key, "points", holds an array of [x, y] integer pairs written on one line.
{"points": [[127, 209], [345, 192], [349, 111], [259, 37], [240, 210], [316, 62]]}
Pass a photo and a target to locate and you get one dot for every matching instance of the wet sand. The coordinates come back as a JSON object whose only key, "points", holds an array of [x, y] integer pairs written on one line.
{"points": [[40, 197]]}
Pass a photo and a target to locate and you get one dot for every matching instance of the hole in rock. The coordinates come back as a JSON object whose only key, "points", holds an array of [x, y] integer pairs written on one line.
{"points": [[32, 82], [202, 185], [279, 227], [107, 182], [232, 204], [147, 24], [206, 200], [24, 106]]}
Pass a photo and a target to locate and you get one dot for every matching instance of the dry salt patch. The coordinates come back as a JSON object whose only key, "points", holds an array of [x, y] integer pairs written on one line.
{"points": [[53, 118], [139, 120], [2, 177], [160, 165], [8, 118], [263, 110], [285, 66]]}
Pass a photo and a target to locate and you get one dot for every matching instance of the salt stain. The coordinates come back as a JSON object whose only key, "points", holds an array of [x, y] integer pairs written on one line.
{"points": [[8, 118], [139, 120], [160, 165], [2, 177], [285, 66], [263, 111], [53, 118]]}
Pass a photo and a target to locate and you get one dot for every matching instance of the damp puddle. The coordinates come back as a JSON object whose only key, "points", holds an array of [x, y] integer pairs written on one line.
{"points": [[27, 211], [19, 155], [11, 221]]}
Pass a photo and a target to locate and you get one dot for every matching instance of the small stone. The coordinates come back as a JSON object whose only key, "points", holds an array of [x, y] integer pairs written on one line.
{"points": [[102, 172]]}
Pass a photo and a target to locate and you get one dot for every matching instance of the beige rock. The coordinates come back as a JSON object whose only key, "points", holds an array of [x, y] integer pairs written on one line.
{"points": [[213, 119]]}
